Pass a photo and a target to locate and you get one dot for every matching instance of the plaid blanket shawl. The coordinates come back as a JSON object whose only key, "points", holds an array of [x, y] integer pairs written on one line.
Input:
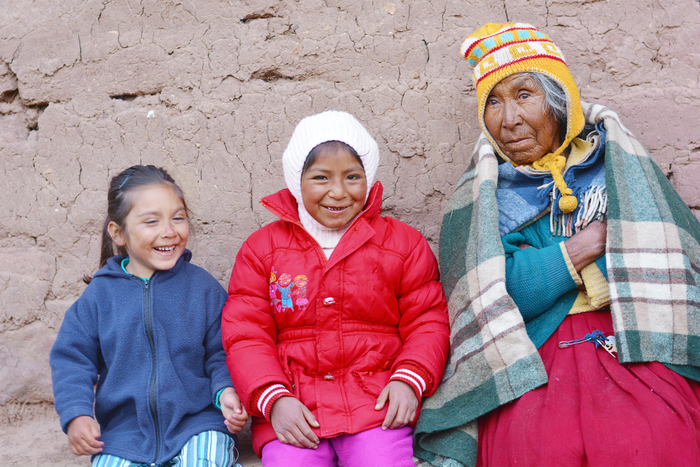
{"points": [[653, 260]]}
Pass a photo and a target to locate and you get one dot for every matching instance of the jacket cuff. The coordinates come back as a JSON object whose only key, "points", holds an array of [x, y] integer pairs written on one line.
{"points": [[67, 415], [217, 403], [264, 397], [414, 375]]}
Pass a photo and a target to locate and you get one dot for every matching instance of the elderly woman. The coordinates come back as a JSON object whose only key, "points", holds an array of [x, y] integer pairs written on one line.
{"points": [[572, 270]]}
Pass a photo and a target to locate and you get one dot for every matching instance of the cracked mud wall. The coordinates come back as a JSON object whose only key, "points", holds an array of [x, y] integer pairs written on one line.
{"points": [[212, 90]]}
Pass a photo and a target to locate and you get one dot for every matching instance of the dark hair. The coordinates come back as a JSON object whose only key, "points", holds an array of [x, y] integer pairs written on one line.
{"points": [[333, 146], [119, 203]]}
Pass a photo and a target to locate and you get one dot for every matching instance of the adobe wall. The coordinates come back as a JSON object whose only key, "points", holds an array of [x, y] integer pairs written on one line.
{"points": [[212, 90]]}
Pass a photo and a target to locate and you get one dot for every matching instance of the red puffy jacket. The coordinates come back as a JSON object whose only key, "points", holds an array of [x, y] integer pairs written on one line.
{"points": [[332, 331]]}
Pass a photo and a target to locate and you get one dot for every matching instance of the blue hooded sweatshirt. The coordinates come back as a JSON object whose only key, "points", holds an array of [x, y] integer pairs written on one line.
{"points": [[148, 354]]}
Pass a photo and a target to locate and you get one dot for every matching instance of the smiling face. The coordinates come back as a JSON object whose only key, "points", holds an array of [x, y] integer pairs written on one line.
{"points": [[516, 117], [334, 187], [285, 279], [155, 231]]}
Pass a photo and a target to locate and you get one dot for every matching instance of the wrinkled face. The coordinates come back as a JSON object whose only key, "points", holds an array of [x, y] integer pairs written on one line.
{"points": [[516, 118], [334, 188], [155, 232]]}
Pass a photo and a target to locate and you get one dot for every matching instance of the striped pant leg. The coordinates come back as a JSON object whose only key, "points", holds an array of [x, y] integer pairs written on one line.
{"points": [[207, 449], [108, 460]]}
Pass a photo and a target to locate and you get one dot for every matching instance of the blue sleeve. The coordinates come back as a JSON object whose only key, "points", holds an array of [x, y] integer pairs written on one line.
{"points": [[215, 356], [535, 278], [75, 361]]}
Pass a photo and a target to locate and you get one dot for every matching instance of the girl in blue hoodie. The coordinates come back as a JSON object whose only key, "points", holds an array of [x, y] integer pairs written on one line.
{"points": [[139, 372]]}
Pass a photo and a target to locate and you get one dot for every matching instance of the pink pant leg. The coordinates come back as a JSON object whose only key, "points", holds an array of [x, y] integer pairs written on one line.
{"points": [[375, 448], [277, 454]]}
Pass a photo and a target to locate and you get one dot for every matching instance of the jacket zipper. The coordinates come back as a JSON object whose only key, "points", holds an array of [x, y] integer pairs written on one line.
{"points": [[151, 342], [318, 246]]}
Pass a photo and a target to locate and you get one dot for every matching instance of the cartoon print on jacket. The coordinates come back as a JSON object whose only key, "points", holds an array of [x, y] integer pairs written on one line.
{"points": [[292, 295], [275, 302], [300, 291], [284, 285]]}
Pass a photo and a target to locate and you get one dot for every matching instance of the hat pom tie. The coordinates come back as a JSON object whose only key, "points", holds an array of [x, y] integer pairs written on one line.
{"points": [[568, 203], [555, 163]]}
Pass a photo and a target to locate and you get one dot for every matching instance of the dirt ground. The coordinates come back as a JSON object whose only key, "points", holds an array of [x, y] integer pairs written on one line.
{"points": [[30, 436]]}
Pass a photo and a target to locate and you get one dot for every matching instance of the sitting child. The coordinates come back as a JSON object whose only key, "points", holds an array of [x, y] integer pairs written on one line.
{"points": [[336, 323], [142, 345]]}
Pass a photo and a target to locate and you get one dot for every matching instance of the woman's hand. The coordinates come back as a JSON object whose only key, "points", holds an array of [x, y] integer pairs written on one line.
{"points": [[587, 245], [292, 422], [83, 436], [403, 404], [233, 411]]}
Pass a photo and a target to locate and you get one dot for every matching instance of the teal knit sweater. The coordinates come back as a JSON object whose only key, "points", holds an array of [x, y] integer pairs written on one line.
{"points": [[538, 279]]}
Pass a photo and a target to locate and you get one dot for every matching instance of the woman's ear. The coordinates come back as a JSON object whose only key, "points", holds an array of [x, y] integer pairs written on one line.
{"points": [[116, 233]]}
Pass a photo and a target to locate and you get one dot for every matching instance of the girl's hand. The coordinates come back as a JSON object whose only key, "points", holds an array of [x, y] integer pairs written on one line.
{"points": [[403, 404], [83, 436], [292, 422], [233, 411]]}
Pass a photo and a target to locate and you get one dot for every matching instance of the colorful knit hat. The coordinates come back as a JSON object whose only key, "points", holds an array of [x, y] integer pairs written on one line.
{"points": [[497, 51]]}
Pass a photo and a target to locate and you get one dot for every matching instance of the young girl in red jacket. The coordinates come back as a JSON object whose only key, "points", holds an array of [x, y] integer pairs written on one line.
{"points": [[336, 324]]}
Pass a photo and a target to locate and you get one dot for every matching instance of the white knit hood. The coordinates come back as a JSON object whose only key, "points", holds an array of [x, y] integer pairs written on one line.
{"points": [[327, 126], [330, 125]]}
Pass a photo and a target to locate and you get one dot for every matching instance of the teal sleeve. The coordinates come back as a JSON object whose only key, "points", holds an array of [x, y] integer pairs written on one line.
{"points": [[601, 263], [218, 394], [535, 278]]}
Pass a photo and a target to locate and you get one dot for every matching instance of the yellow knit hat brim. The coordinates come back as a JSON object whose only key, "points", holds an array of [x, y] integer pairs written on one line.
{"points": [[497, 51]]}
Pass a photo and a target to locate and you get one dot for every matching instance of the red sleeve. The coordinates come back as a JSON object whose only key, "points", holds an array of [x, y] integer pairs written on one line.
{"points": [[248, 326], [424, 324]]}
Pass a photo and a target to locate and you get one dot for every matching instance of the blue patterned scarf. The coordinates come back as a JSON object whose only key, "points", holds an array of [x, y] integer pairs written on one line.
{"points": [[523, 195]]}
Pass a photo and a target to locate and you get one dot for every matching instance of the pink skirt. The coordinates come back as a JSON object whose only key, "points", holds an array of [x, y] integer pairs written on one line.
{"points": [[595, 411]]}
